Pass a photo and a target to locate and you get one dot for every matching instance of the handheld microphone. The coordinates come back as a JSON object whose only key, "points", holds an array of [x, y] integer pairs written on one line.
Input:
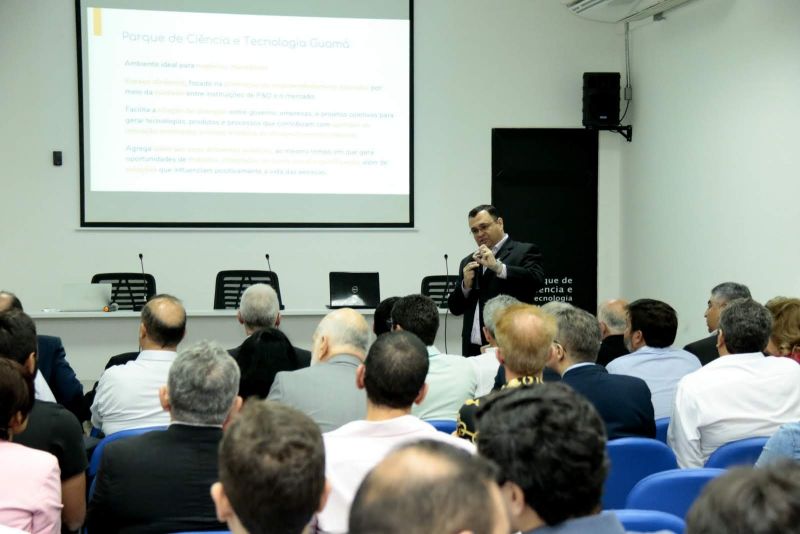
{"points": [[445, 296], [144, 278]]}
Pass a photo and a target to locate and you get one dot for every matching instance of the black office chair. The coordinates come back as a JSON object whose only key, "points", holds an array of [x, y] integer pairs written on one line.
{"points": [[231, 284], [438, 288], [129, 290]]}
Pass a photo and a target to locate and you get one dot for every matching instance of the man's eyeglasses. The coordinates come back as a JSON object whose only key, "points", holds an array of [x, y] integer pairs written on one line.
{"points": [[475, 230]]}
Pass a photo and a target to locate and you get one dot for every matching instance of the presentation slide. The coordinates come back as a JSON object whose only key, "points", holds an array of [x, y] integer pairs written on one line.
{"points": [[238, 119]]}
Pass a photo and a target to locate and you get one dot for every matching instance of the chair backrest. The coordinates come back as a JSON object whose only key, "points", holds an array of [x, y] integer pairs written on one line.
{"points": [[632, 459], [438, 288], [230, 285], [129, 290], [740, 452], [443, 425], [648, 521], [671, 491], [662, 425]]}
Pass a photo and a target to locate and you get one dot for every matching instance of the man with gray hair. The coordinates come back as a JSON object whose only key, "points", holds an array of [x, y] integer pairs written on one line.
{"points": [[327, 390], [158, 481], [259, 308], [706, 349], [742, 394], [622, 401], [486, 364], [611, 315]]}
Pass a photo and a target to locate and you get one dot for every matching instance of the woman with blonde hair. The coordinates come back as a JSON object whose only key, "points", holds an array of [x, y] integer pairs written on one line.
{"points": [[785, 337]]}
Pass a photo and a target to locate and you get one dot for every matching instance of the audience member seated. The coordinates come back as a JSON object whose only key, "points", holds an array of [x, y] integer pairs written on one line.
{"points": [[611, 315], [622, 401], [525, 336], [650, 330], [327, 390], [429, 487], [749, 501], [271, 471], [55, 379], [742, 394], [785, 337], [260, 308], [30, 491], [382, 319], [486, 363], [783, 444], [262, 355], [50, 427], [159, 481], [550, 445], [393, 376], [451, 379], [706, 349], [127, 395]]}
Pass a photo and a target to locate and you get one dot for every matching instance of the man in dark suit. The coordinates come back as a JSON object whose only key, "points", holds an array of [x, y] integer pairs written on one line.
{"points": [[499, 266], [259, 309], [706, 349], [622, 401], [53, 365], [159, 481]]}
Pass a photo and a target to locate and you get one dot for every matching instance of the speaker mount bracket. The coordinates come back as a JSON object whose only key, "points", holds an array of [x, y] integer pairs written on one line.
{"points": [[624, 131]]}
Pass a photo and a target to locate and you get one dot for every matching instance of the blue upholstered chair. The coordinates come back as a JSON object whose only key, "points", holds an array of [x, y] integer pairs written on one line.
{"points": [[671, 491], [741, 452], [94, 462], [648, 521], [443, 425], [662, 425], [632, 459]]}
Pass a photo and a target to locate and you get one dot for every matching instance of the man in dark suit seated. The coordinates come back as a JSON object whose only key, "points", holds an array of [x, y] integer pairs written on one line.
{"points": [[53, 365], [706, 349], [159, 481], [622, 401], [611, 315], [259, 309]]}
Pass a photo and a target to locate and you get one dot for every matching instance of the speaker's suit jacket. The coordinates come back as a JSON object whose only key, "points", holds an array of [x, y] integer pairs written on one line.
{"points": [[622, 401], [705, 349], [157, 482], [524, 277], [57, 372], [326, 392]]}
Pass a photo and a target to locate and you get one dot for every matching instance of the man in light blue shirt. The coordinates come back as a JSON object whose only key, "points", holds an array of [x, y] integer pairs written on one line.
{"points": [[650, 330]]}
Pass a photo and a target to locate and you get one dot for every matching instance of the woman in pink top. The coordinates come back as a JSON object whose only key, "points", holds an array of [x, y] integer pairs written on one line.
{"points": [[30, 490]]}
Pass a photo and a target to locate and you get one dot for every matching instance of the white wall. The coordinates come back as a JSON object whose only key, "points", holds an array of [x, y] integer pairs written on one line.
{"points": [[712, 182], [478, 65]]}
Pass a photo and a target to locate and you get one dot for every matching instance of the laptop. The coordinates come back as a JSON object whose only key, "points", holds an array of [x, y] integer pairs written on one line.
{"points": [[354, 290], [85, 297]]}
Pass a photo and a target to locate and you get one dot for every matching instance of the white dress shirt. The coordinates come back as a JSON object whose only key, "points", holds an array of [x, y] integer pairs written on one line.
{"points": [[485, 366], [127, 395], [352, 450], [733, 397], [476, 322], [42, 391], [661, 369], [451, 381]]}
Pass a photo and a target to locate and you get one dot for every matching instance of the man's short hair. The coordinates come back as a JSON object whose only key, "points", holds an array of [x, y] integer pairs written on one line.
{"points": [[259, 306], [425, 487], [578, 333], [166, 334], [341, 329], [203, 381], [747, 500], [14, 302], [524, 335], [382, 320], [417, 314], [746, 326], [17, 336], [395, 369], [493, 308], [785, 323], [272, 467], [613, 317], [16, 394], [550, 441], [728, 291], [488, 208], [657, 321]]}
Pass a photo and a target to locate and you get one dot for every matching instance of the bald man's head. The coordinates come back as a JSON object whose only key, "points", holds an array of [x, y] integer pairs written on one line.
{"points": [[611, 315], [9, 301], [163, 323], [343, 331]]}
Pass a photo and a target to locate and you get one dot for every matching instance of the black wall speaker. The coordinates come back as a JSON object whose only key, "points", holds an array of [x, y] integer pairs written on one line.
{"points": [[600, 99]]}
